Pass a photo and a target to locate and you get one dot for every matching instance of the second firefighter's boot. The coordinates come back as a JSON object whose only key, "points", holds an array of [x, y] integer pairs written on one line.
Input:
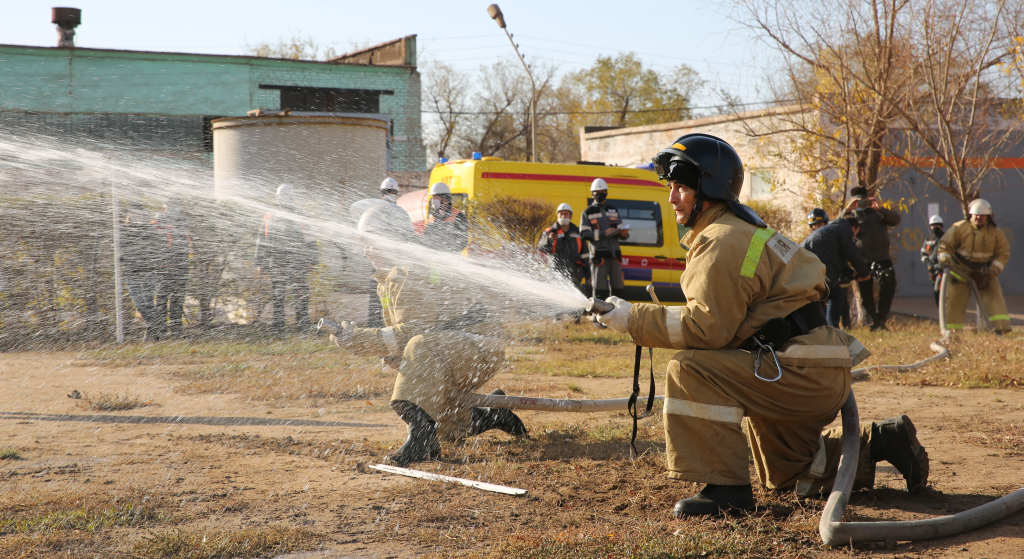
{"points": [[895, 441], [715, 500], [422, 443], [485, 419]]}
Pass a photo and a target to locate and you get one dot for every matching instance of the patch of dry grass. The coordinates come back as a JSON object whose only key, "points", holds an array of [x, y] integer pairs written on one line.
{"points": [[109, 402], [69, 525], [977, 360], [267, 541], [1008, 437]]}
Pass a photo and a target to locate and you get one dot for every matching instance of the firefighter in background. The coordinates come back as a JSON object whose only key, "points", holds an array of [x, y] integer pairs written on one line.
{"points": [[446, 339], [446, 227], [283, 251], [141, 256], [977, 249], [817, 219], [389, 191], [375, 313], [930, 254], [747, 287], [873, 244], [833, 244], [602, 227], [172, 273], [563, 242]]}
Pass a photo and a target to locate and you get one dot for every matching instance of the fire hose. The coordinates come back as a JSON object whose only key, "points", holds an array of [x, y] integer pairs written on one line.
{"points": [[835, 532]]}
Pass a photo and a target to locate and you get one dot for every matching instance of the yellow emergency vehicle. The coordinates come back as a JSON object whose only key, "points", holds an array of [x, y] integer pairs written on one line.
{"points": [[652, 253]]}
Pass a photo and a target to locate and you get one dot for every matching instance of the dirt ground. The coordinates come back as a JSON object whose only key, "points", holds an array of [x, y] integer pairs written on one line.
{"points": [[224, 462]]}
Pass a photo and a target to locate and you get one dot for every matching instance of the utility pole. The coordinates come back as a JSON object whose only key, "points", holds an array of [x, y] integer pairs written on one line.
{"points": [[497, 16]]}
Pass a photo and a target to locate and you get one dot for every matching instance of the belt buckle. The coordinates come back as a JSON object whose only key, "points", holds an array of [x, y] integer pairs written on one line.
{"points": [[757, 362]]}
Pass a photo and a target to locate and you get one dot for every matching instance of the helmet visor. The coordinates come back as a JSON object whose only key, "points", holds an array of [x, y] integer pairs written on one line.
{"points": [[677, 167]]}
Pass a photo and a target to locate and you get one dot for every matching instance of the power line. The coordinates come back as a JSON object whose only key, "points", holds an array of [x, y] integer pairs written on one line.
{"points": [[552, 113]]}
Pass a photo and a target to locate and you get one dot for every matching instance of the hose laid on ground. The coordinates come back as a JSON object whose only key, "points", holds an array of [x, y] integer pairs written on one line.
{"points": [[835, 532], [547, 404]]}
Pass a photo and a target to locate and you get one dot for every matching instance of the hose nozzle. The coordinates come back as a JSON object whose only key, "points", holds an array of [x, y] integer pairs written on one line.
{"points": [[598, 306], [328, 326]]}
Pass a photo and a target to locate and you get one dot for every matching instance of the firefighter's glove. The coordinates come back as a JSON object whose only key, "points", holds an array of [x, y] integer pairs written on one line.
{"points": [[618, 318], [343, 338], [994, 270], [945, 260]]}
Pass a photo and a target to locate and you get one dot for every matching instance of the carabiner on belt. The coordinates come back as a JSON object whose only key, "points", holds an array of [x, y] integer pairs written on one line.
{"points": [[757, 362]]}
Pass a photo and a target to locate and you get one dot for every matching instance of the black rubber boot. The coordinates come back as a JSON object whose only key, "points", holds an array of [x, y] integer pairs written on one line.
{"points": [[715, 500], [485, 419], [422, 442], [895, 441]]}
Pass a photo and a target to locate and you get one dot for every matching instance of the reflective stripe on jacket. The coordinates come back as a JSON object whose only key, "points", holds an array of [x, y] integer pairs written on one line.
{"points": [[966, 243], [594, 221]]}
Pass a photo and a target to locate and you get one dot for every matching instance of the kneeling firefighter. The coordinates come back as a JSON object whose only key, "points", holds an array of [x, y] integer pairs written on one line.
{"points": [[977, 249], [447, 344], [755, 349]]}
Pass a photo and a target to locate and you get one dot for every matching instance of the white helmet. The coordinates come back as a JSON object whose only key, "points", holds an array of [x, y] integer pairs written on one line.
{"points": [[935, 220], [439, 188], [598, 184], [284, 195], [389, 185], [563, 207], [980, 207]]}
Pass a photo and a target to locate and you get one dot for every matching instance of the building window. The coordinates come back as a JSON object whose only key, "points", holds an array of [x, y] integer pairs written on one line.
{"points": [[329, 100], [644, 220], [760, 184]]}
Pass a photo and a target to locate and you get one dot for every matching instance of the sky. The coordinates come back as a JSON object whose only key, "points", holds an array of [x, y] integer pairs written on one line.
{"points": [[569, 35]]}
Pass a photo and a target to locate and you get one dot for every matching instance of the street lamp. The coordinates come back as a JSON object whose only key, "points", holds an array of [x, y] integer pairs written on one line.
{"points": [[497, 16]]}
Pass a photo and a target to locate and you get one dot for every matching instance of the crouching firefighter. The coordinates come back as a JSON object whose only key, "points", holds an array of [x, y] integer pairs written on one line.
{"points": [[754, 349], [446, 342]]}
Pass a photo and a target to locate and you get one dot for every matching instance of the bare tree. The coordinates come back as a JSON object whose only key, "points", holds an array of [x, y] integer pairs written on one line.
{"points": [[885, 81], [296, 47], [845, 65], [970, 112], [446, 94]]}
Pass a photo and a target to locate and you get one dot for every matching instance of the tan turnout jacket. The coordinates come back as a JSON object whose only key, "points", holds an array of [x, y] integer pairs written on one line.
{"points": [[965, 243], [416, 301], [738, 276]]}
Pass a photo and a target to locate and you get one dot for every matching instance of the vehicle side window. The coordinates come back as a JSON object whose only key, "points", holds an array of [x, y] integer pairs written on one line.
{"points": [[644, 220]]}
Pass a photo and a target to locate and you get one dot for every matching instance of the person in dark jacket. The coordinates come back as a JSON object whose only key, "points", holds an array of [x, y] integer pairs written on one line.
{"points": [[563, 242], [172, 273], [283, 250], [141, 249], [446, 227], [601, 226], [833, 244], [930, 254], [873, 244]]}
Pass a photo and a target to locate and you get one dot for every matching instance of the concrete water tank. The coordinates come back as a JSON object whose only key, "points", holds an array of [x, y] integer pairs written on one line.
{"points": [[330, 161]]}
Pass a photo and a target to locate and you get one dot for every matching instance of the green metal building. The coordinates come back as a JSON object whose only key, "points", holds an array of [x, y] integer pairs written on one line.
{"points": [[166, 101]]}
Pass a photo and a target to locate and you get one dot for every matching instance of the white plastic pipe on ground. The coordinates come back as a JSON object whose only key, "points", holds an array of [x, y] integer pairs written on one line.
{"points": [[548, 404]]}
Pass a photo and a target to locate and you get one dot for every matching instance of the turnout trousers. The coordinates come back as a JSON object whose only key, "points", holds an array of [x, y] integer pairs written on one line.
{"points": [[712, 395], [438, 366], [958, 292]]}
